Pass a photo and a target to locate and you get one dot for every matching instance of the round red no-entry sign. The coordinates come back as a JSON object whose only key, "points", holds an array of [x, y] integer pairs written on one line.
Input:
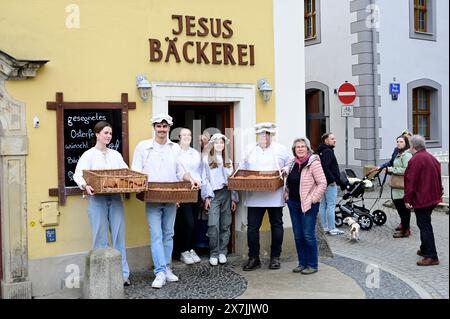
{"points": [[347, 93]]}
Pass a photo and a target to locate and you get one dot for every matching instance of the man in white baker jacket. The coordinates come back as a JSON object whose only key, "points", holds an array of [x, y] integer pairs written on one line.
{"points": [[265, 155], [158, 158]]}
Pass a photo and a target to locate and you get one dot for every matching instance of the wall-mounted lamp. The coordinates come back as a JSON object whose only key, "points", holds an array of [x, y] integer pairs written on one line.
{"points": [[265, 89], [143, 86]]}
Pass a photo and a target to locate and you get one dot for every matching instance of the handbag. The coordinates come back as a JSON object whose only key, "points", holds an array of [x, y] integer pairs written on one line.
{"points": [[397, 181]]}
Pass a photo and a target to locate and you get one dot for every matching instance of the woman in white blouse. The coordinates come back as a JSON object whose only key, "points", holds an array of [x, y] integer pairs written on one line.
{"points": [[219, 201], [105, 211], [190, 159]]}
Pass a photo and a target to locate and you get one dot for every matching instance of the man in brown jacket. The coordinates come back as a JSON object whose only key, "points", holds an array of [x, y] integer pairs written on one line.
{"points": [[423, 191]]}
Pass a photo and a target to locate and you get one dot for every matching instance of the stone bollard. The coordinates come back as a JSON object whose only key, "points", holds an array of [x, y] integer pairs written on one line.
{"points": [[103, 275]]}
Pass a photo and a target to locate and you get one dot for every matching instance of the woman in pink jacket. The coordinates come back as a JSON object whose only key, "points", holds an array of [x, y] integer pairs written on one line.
{"points": [[305, 186]]}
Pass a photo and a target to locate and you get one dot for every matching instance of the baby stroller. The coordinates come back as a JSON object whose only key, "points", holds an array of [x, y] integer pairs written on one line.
{"points": [[354, 193]]}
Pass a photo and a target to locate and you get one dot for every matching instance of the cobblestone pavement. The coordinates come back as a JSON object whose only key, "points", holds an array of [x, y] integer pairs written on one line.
{"points": [[199, 281], [394, 261], [398, 256]]}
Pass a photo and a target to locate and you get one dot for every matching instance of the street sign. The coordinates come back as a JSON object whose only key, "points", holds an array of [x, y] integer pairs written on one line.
{"points": [[394, 88], [346, 93], [50, 235], [347, 111]]}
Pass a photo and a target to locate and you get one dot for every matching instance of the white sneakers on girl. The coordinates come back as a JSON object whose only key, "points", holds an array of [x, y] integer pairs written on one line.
{"points": [[222, 259], [194, 256], [187, 258], [213, 261]]}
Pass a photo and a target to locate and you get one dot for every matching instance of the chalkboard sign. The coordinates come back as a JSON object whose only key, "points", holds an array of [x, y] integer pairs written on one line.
{"points": [[75, 123], [79, 135]]}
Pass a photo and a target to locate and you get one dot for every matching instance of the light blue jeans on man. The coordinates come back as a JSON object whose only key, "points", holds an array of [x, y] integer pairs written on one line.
{"points": [[106, 213], [161, 220], [327, 207]]}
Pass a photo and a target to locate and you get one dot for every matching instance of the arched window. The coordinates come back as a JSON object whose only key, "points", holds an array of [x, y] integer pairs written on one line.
{"points": [[421, 112], [425, 110]]}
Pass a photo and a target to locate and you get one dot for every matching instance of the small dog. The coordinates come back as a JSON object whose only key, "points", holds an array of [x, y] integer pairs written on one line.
{"points": [[353, 234]]}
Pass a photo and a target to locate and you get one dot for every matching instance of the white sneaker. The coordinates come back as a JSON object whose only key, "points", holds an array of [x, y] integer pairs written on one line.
{"points": [[159, 281], [213, 261], [170, 276], [222, 259], [336, 232], [194, 256], [186, 257], [326, 230]]}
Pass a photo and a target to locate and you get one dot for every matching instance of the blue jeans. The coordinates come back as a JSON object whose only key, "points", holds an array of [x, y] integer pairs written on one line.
{"points": [[106, 213], [304, 227], [161, 220], [328, 207]]}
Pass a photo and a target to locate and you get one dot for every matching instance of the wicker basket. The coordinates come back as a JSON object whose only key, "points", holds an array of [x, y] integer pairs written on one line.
{"points": [[255, 181], [107, 181], [169, 192]]}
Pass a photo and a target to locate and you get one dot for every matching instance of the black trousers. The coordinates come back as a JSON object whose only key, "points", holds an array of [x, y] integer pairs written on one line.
{"points": [[428, 246], [405, 213], [254, 218], [185, 222]]}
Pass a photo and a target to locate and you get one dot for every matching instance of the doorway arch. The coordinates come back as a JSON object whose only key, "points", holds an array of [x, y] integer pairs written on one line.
{"points": [[317, 106]]}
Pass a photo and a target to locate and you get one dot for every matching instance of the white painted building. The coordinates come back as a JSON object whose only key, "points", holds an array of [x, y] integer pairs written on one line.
{"points": [[408, 40]]}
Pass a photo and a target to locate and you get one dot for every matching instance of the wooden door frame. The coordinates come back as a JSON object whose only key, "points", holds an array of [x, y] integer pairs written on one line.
{"points": [[227, 109], [315, 116]]}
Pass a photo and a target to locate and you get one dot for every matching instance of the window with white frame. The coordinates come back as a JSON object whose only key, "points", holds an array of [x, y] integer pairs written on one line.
{"points": [[420, 15], [422, 19], [425, 110], [312, 21], [421, 112]]}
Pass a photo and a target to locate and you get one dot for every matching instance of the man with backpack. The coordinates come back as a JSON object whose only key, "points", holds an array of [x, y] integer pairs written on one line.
{"points": [[331, 169]]}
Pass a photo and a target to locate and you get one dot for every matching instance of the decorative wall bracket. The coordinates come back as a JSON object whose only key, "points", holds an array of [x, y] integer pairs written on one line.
{"points": [[14, 69]]}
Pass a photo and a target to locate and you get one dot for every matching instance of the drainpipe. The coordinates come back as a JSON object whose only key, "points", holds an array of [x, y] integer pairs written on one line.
{"points": [[375, 80]]}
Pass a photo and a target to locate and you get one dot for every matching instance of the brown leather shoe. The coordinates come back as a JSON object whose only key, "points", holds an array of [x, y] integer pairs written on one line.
{"points": [[428, 262], [402, 233], [252, 264], [420, 253], [399, 227]]}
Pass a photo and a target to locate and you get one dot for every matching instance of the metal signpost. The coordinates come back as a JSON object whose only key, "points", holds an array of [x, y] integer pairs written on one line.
{"points": [[346, 111], [346, 94]]}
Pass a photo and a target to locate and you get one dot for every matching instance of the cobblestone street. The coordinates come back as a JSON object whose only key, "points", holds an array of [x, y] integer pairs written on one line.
{"points": [[398, 256]]}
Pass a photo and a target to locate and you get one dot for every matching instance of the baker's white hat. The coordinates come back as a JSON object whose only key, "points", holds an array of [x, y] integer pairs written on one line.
{"points": [[217, 137], [162, 117], [265, 127]]}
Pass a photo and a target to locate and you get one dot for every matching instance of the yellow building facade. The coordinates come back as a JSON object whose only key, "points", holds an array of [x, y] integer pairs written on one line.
{"points": [[197, 56]]}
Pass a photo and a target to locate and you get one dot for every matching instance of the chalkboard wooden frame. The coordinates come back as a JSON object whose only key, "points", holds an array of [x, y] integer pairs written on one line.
{"points": [[59, 106]]}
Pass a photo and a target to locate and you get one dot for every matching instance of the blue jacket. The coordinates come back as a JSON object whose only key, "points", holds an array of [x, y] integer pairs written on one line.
{"points": [[390, 163]]}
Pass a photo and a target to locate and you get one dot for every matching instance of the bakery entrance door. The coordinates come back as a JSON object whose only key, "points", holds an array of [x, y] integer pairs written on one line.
{"points": [[200, 117]]}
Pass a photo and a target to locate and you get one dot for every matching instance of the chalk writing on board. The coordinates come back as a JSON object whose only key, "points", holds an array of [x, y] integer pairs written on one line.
{"points": [[79, 135]]}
